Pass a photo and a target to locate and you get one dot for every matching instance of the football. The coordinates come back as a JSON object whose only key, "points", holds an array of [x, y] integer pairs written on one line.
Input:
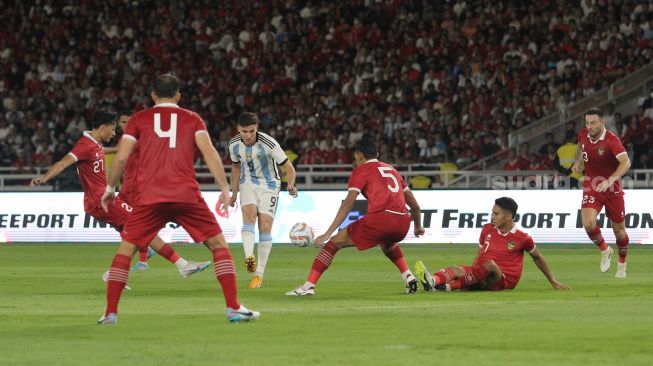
{"points": [[301, 234]]}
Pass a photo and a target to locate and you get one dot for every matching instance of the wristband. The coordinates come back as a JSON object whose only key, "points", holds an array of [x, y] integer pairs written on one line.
{"points": [[111, 189]]}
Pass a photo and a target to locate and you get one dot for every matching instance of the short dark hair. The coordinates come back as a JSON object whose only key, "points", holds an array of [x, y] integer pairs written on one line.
{"points": [[570, 135], [125, 112], [367, 147], [595, 111], [166, 86], [247, 119], [103, 118], [507, 204]]}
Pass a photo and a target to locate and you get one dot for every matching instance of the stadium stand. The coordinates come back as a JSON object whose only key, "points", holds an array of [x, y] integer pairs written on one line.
{"points": [[434, 81]]}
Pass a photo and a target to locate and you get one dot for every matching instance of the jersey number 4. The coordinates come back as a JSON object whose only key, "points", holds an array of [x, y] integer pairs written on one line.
{"points": [[386, 172], [171, 133]]}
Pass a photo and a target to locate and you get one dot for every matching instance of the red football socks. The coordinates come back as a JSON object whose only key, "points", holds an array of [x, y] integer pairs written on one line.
{"points": [[322, 261], [168, 253], [443, 276], [118, 275], [623, 248], [596, 236], [142, 253], [225, 272], [393, 252]]}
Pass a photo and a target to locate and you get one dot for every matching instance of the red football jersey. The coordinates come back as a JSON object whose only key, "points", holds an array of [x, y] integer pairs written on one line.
{"points": [[600, 157], [507, 250], [89, 156], [129, 189], [381, 185], [165, 135]]}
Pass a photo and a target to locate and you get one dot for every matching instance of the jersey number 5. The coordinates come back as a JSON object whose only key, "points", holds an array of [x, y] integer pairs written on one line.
{"points": [[171, 133], [386, 173]]}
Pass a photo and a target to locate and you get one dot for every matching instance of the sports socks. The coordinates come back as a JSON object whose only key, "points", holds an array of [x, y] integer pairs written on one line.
{"points": [[596, 236], [443, 276], [118, 275], [247, 233], [225, 272], [264, 249], [142, 254], [393, 252], [321, 262], [168, 253], [623, 248]]}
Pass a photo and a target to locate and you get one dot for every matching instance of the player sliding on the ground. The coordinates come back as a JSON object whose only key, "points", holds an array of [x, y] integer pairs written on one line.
{"points": [[386, 223], [499, 263], [89, 156]]}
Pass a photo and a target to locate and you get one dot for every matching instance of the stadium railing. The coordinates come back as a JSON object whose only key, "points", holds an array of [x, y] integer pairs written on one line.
{"points": [[336, 176]]}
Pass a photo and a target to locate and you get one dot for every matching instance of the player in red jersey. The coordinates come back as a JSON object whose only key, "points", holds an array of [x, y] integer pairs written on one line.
{"points": [[169, 138], [89, 156], [129, 191], [386, 223], [605, 161], [500, 258]]}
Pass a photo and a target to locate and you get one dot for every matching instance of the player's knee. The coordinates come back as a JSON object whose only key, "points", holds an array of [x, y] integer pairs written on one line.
{"points": [[588, 225], [216, 242], [493, 270]]}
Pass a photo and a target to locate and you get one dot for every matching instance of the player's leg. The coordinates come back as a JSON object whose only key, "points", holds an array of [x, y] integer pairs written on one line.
{"points": [[479, 277], [322, 262], [247, 233], [118, 275], [200, 223], [143, 255], [265, 222], [396, 256], [140, 229], [588, 217], [615, 210], [186, 268]]}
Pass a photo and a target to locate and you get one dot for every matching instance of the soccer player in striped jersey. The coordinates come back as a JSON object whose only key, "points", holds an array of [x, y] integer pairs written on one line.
{"points": [[256, 157]]}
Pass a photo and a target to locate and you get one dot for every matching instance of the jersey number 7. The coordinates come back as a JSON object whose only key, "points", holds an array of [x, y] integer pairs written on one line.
{"points": [[171, 133]]}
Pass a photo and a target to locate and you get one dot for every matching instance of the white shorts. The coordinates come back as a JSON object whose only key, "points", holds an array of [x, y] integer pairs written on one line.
{"points": [[266, 200]]}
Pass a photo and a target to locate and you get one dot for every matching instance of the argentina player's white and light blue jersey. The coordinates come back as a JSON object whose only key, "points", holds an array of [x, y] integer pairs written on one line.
{"points": [[258, 163]]}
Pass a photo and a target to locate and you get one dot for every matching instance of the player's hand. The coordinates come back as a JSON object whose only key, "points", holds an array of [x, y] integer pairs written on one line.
{"points": [[225, 200], [233, 199], [560, 286], [320, 240], [419, 231], [576, 168], [37, 182], [106, 198], [605, 185], [292, 190]]}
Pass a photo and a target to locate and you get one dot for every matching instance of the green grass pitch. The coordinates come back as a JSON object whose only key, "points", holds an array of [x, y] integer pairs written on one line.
{"points": [[51, 296]]}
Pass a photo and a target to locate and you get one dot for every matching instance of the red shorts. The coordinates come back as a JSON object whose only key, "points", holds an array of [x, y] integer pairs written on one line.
{"points": [[378, 228], [479, 272], [613, 202], [146, 221], [117, 216]]}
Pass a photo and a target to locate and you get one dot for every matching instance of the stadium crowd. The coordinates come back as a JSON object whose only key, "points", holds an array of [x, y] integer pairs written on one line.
{"points": [[435, 81]]}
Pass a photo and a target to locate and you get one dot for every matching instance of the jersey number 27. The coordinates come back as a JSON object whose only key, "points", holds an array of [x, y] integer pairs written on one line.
{"points": [[171, 133]]}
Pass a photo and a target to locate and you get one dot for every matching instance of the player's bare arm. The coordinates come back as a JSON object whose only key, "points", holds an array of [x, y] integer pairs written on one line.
{"points": [[54, 170], [624, 165], [292, 175], [235, 183], [415, 212], [544, 267], [213, 161], [125, 148], [578, 164], [343, 211], [110, 150]]}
